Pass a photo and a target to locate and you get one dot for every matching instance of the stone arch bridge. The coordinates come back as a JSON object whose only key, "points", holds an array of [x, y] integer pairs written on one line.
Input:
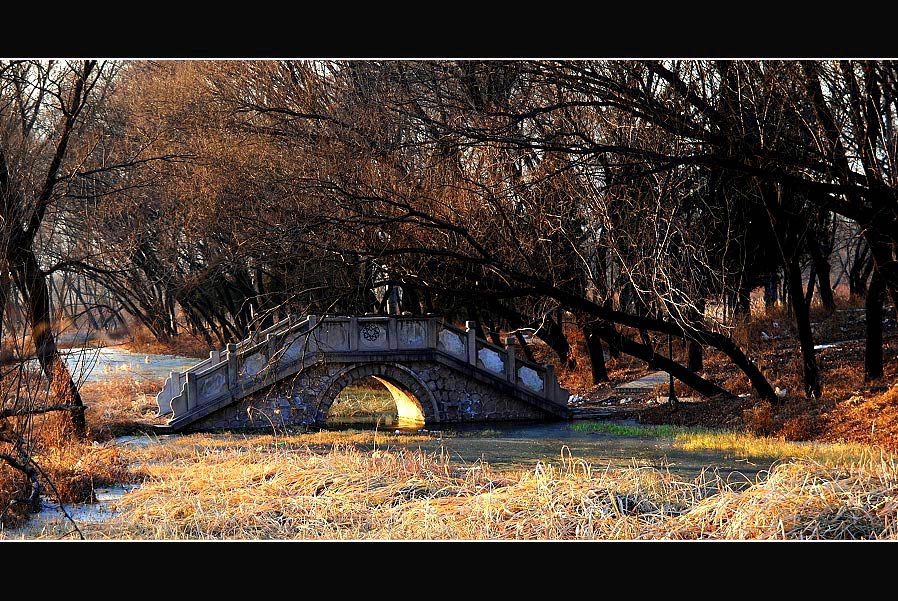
{"points": [[290, 374]]}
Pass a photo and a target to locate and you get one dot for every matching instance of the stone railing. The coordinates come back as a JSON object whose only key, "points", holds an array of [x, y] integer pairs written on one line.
{"points": [[176, 383], [500, 362], [245, 365]]}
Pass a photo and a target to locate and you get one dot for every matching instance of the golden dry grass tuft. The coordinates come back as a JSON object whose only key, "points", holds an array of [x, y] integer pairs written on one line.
{"points": [[363, 398], [76, 470], [120, 405]]}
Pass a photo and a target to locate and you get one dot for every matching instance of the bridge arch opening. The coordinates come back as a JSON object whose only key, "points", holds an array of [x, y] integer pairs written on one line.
{"points": [[377, 396]]}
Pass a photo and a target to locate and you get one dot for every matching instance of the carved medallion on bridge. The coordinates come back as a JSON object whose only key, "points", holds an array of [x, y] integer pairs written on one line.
{"points": [[452, 343], [530, 379], [213, 385], [490, 360], [372, 335], [253, 364]]}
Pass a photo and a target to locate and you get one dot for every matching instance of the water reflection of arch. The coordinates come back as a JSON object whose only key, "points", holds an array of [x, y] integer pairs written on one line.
{"points": [[414, 401]]}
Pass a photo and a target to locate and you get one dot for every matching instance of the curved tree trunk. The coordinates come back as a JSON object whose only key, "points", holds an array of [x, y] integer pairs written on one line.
{"points": [[32, 284], [641, 351], [553, 335]]}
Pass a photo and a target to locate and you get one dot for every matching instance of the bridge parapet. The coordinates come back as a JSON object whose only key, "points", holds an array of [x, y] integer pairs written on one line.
{"points": [[289, 345]]}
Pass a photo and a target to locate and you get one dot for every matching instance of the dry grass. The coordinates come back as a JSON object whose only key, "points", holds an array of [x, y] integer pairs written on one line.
{"points": [[76, 470], [138, 339], [360, 399], [120, 405], [263, 490], [69, 471]]}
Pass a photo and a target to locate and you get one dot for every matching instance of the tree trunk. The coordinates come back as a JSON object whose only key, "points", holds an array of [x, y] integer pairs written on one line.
{"points": [[696, 362], [596, 354], [770, 291], [33, 286], [524, 347], [860, 270], [812, 281], [411, 301], [873, 352], [553, 335], [811, 375], [4, 295], [613, 351], [474, 316], [885, 265], [647, 341], [823, 268]]}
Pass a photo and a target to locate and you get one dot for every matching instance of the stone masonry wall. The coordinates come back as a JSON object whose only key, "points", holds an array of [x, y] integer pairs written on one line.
{"points": [[294, 401]]}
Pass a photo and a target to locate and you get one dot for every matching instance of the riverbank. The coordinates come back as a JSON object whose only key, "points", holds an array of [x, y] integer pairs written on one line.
{"points": [[344, 486], [850, 408]]}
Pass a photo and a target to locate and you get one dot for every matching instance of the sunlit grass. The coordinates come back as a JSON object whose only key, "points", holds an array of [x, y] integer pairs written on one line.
{"points": [[747, 445], [360, 400], [738, 443]]}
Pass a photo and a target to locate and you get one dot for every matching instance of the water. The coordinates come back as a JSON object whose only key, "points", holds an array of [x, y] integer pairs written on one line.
{"points": [[92, 364], [526, 444], [83, 513]]}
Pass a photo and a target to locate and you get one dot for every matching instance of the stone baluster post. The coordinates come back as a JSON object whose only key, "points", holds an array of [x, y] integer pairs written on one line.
{"points": [[191, 391], [393, 334], [271, 346], [470, 329], [433, 327], [353, 334], [174, 384], [510, 373], [312, 347], [550, 383], [232, 365]]}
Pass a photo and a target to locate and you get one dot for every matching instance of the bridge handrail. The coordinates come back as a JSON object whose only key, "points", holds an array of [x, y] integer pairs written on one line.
{"points": [[214, 361]]}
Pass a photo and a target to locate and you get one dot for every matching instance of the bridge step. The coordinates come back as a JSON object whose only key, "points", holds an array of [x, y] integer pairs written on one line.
{"points": [[644, 385]]}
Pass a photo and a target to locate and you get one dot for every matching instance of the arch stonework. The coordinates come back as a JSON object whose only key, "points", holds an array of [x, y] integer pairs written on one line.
{"points": [[398, 375], [445, 395]]}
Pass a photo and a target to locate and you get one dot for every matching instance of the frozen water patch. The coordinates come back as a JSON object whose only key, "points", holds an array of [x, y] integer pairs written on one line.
{"points": [[142, 440], [52, 515], [91, 364]]}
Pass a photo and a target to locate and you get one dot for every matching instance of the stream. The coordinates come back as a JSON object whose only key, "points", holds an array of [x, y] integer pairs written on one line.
{"points": [[503, 445], [93, 364]]}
